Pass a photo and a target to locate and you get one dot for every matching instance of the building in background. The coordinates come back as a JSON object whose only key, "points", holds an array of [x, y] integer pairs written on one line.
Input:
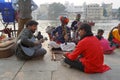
{"points": [[43, 11], [114, 14], [73, 10], [107, 8], [93, 11], [87, 11]]}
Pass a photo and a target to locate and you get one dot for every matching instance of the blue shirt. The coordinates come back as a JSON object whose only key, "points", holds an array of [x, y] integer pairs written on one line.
{"points": [[60, 37]]}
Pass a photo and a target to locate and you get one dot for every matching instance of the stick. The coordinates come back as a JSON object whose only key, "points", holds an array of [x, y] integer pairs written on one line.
{"points": [[53, 56]]}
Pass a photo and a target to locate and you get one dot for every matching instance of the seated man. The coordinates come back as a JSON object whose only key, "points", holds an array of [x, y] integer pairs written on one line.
{"points": [[88, 55], [27, 46], [61, 35], [104, 42], [114, 36]]}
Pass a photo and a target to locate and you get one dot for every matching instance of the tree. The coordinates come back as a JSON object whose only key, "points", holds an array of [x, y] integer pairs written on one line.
{"points": [[55, 9], [119, 13]]}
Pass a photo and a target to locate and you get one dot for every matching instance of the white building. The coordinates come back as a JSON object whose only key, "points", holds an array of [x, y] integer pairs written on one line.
{"points": [[108, 8], [73, 10], [93, 11]]}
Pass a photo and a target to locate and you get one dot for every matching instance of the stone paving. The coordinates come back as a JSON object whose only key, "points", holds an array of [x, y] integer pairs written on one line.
{"points": [[44, 69]]}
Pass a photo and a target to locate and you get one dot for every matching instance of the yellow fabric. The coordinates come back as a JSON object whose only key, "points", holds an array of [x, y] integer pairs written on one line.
{"points": [[116, 34]]}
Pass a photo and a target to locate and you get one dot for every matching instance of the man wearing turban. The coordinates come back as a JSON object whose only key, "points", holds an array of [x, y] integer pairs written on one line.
{"points": [[61, 35]]}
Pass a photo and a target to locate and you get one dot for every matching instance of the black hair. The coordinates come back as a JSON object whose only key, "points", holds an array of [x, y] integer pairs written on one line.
{"points": [[87, 28], [100, 31], [78, 14], [110, 37], [31, 22]]}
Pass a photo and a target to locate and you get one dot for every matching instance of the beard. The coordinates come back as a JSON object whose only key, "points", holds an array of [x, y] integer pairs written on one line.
{"points": [[33, 31]]}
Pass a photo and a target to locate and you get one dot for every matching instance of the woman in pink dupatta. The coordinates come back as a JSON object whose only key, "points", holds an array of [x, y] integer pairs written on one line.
{"points": [[104, 42]]}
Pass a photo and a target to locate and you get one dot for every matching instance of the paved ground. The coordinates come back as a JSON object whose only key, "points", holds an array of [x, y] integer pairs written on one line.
{"points": [[45, 69]]}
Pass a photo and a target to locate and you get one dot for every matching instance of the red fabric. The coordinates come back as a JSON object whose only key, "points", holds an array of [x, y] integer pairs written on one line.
{"points": [[92, 52], [64, 19], [50, 36], [53, 39], [116, 41], [58, 42]]}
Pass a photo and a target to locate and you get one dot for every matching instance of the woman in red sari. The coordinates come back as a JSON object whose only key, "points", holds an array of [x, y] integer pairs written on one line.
{"points": [[88, 55]]}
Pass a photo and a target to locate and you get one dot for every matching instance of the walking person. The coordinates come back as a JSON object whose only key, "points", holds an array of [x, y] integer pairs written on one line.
{"points": [[74, 27], [24, 9]]}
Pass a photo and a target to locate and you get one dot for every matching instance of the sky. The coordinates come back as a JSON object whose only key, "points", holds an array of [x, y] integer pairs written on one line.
{"points": [[116, 3]]}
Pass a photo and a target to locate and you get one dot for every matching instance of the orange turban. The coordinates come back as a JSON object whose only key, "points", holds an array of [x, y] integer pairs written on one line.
{"points": [[64, 20]]}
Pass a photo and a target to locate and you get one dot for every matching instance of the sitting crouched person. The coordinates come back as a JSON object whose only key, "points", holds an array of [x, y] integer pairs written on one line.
{"points": [[88, 54], [27, 46], [61, 36], [114, 36]]}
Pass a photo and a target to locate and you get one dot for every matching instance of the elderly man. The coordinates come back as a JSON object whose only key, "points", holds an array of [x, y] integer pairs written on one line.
{"points": [[61, 36]]}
